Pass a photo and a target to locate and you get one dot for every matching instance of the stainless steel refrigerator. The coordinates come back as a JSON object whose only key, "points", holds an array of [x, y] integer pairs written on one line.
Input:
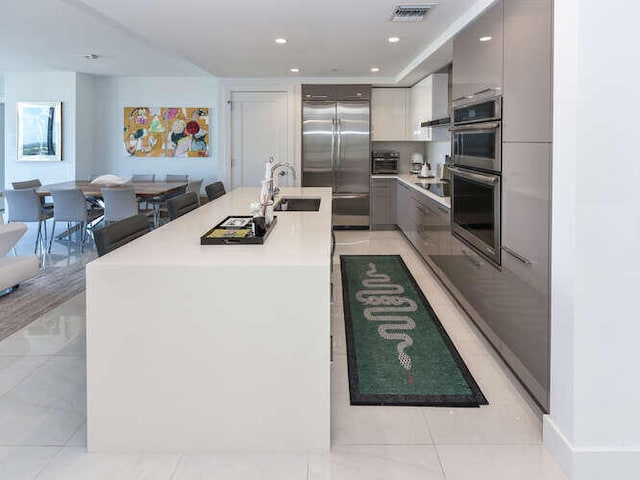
{"points": [[336, 153]]}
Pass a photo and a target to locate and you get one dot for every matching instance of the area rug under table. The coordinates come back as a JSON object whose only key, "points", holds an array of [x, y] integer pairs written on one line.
{"points": [[398, 351], [51, 287]]}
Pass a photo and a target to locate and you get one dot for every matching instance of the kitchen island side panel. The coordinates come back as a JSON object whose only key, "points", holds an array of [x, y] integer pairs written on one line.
{"points": [[208, 359]]}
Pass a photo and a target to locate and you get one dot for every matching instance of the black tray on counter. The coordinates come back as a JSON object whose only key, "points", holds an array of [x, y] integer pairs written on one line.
{"points": [[239, 228]]}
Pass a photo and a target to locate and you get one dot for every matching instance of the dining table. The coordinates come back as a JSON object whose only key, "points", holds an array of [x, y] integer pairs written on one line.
{"points": [[141, 189], [93, 194]]}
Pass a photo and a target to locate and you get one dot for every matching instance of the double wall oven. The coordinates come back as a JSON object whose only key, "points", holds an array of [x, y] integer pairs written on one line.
{"points": [[476, 150]]}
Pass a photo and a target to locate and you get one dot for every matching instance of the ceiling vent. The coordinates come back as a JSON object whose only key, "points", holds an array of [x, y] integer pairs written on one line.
{"points": [[411, 13]]}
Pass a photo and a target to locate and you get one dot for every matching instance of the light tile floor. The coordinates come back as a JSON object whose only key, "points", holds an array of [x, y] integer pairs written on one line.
{"points": [[43, 405]]}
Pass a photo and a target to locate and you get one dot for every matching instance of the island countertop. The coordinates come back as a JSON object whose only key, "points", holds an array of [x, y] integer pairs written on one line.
{"points": [[213, 348], [298, 238]]}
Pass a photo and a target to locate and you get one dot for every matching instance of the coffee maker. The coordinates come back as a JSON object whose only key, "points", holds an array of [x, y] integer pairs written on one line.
{"points": [[417, 160]]}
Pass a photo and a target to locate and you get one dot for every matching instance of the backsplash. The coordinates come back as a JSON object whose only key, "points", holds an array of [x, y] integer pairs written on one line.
{"points": [[434, 152], [405, 149]]}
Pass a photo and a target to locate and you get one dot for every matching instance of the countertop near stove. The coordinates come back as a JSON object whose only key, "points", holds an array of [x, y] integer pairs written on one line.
{"points": [[410, 179]]}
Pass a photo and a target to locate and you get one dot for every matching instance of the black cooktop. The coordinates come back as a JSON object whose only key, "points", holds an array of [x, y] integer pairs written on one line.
{"points": [[441, 188]]}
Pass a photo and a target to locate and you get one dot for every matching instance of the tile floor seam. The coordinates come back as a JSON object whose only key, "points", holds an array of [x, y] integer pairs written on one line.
{"points": [[49, 462], [48, 357], [175, 469], [74, 432], [444, 473]]}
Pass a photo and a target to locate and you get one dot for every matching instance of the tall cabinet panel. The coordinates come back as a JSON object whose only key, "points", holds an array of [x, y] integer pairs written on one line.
{"points": [[527, 102], [525, 259], [477, 65], [389, 120]]}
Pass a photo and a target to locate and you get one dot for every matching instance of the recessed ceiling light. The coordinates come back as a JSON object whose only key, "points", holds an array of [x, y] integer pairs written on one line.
{"points": [[280, 41], [90, 56], [485, 39], [375, 69], [294, 70], [394, 39]]}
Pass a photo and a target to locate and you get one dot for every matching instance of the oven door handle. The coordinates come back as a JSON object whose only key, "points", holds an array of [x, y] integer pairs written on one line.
{"points": [[475, 126], [486, 179]]}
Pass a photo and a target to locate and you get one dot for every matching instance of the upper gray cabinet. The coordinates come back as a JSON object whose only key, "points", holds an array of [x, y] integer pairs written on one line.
{"points": [[527, 71], [389, 114], [477, 65]]}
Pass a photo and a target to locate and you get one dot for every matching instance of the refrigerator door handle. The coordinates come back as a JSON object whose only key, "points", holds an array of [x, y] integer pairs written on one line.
{"points": [[339, 153], [333, 152]]}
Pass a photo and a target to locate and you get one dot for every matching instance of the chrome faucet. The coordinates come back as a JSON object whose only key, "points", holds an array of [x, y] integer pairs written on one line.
{"points": [[271, 167]]}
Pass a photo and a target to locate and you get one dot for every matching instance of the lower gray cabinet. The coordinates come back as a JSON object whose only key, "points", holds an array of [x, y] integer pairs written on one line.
{"points": [[405, 214], [432, 226], [383, 204]]}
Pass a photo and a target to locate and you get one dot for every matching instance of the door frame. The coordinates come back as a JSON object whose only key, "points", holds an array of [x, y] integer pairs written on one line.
{"points": [[293, 135]]}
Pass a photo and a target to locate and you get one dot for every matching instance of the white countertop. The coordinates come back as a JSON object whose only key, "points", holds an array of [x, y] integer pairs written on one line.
{"points": [[410, 179], [298, 238]]}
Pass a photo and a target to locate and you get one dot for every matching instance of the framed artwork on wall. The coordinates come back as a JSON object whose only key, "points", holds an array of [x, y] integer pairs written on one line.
{"points": [[40, 131], [166, 132]]}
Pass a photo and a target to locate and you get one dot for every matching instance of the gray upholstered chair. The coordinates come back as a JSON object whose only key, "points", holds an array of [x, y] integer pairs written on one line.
{"points": [[143, 177], [176, 178], [160, 203], [194, 186], [25, 206], [214, 190], [70, 206], [119, 203], [178, 206], [35, 183], [113, 236]]}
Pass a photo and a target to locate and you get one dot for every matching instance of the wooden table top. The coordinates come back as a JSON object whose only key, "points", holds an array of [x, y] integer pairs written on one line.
{"points": [[141, 189]]}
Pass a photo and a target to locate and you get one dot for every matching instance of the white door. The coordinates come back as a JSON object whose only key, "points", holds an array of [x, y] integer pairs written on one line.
{"points": [[259, 130]]}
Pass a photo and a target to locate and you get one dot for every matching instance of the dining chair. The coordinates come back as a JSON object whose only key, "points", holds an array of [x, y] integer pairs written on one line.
{"points": [[143, 177], [176, 178], [178, 206], [119, 203], [70, 206], [25, 206], [119, 233], [195, 186], [35, 183], [160, 203], [214, 190]]}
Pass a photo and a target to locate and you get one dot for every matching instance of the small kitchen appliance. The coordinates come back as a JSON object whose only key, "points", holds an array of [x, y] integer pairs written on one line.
{"points": [[384, 161], [417, 159]]}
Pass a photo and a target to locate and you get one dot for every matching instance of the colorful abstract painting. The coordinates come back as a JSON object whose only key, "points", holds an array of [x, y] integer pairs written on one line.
{"points": [[166, 131], [144, 132], [187, 132]]}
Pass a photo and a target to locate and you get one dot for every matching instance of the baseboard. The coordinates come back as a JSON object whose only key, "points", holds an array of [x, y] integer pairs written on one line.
{"points": [[591, 463]]}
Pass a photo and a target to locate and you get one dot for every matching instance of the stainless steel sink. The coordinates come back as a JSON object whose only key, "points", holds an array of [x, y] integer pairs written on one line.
{"points": [[297, 204]]}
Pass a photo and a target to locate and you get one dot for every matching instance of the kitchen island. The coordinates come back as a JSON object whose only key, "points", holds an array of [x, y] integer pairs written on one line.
{"points": [[213, 348]]}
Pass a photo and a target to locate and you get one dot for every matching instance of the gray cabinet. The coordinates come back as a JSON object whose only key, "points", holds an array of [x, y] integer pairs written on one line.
{"points": [[525, 212], [477, 65], [432, 224], [527, 102], [405, 213], [383, 203]]}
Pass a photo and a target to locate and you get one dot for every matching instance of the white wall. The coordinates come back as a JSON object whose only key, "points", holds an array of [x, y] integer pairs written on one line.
{"points": [[86, 130], [40, 87], [594, 424], [115, 93]]}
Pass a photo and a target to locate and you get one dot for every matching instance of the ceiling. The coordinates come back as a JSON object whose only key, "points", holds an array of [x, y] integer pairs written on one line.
{"points": [[341, 39]]}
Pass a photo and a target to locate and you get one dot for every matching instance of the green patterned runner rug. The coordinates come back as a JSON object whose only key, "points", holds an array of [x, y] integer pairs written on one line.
{"points": [[398, 351]]}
